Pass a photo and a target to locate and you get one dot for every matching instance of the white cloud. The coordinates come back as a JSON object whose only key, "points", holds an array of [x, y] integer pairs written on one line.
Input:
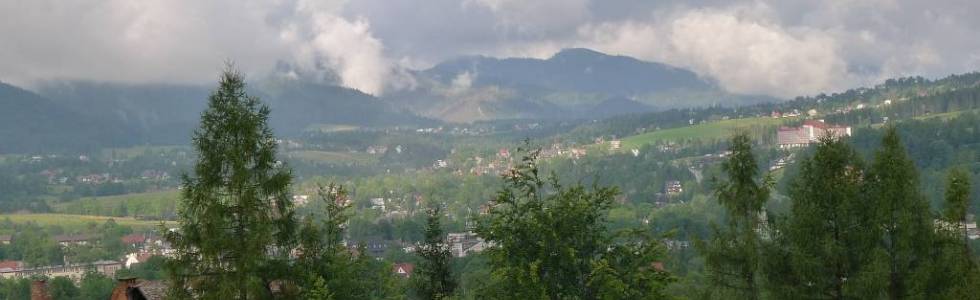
{"points": [[319, 35], [183, 41], [745, 56]]}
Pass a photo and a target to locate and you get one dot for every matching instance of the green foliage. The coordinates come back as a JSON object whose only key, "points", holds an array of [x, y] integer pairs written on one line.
{"points": [[433, 278], [33, 245], [327, 269], [825, 239], [957, 196], [151, 269], [95, 286], [551, 241], [15, 288], [62, 288], [952, 270], [902, 216], [236, 219], [732, 253]]}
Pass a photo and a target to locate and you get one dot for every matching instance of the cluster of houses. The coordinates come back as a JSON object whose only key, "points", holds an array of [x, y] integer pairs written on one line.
{"points": [[57, 176], [672, 188], [465, 243], [782, 162], [494, 165], [145, 246], [557, 150]]}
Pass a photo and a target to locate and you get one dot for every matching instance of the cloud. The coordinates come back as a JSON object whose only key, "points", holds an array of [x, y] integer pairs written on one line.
{"points": [[184, 41], [774, 47], [320, 36], [745, 56]]}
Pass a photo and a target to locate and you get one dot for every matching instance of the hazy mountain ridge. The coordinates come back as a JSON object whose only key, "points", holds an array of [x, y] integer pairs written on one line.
{"points": [[573, 83], [29, 122], [577, 69]]}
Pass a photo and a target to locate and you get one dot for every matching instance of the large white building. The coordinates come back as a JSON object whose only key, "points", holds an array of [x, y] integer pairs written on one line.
{"points": [[810, 132]]}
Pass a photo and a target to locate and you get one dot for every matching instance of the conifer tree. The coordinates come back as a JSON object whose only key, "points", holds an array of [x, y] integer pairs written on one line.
{"points": [[826, 234], [902, 216], [732, 252], [958, 202], [236, 218], [953, 272], [433, 278]]}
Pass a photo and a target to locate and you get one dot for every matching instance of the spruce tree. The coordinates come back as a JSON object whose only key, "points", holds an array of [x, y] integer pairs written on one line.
{"points": [[433, 278], [902, 216], [953, 272], [236, 219], [958, 202], [732, 252], [826, 234]]}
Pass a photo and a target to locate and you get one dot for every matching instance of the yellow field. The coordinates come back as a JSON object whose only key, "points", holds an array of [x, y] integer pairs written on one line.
{"points": [[334, 157], [707, 131], [77, 221]]}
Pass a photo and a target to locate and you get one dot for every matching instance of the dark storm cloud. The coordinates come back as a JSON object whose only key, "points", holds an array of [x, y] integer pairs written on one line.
{"points": [[782, 48]]}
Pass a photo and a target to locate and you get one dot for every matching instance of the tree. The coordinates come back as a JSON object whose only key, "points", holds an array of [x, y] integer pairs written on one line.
{"points": [[95, 286], [958, 202], [433, 277], [550, 242], [902, 215], [327, 269], [62, 288], [236, 218], [825, 237], [952, 271], [732, 253]]}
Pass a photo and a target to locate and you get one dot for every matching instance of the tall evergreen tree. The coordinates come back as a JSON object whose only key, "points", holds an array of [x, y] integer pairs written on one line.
{"points": [[825, 235], [433, 278], [732, 253], [953, 273], [236, 218], [958, 202], [902, 215]]}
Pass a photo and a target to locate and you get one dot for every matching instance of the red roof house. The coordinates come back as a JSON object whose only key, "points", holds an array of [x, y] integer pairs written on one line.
{"points": [[403, 269]]}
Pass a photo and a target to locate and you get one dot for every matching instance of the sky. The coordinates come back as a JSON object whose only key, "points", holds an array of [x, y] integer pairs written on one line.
{"points": [[782, 48]]}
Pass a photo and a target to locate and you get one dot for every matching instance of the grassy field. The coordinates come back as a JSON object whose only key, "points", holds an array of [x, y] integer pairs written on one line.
{"points": [[139, 204], [944, 116], [708, 131], [334, 157], [78, 221], [131, 152], [325, 128]]}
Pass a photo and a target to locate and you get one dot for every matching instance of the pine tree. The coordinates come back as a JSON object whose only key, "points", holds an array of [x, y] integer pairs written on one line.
{"points": [[433, 277], [732, 253], [826, 234], [901, 214], [236, 218], [953, 272], [958, 202]]}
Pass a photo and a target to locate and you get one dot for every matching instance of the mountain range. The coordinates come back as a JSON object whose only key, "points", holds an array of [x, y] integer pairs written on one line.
{"points": [[572, 84]]}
